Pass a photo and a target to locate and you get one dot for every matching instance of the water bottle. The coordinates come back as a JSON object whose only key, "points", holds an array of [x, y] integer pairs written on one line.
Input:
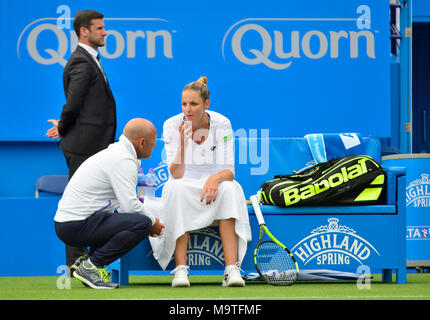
{"points": [[140, 184], [151, 183]]}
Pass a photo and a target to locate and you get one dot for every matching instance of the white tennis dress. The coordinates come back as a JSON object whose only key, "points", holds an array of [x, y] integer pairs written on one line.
{"points": [[183, 210]]}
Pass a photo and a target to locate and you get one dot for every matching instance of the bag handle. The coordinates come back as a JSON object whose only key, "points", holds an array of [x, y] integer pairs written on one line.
{"points": [[308, 172]]}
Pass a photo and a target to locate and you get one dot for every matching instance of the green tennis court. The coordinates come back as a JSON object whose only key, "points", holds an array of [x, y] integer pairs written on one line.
{"points": [[209, 288]]}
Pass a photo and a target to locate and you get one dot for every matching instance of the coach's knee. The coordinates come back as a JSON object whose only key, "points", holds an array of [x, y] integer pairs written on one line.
{"points": [[143, 225]]}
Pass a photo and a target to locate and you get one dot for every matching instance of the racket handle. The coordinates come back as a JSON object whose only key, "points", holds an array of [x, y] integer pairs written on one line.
{"points": [[257, 210]]}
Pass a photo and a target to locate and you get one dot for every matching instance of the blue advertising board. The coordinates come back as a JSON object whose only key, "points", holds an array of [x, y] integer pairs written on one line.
{"points": [[294, 67], [417, 196]]}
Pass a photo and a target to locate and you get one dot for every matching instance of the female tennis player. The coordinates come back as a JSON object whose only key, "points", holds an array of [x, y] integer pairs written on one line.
{"points": [[201, 189]]}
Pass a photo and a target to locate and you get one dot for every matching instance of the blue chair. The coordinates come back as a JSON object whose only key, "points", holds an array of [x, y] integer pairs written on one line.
{"points": [[386, 151], [51, 184]]}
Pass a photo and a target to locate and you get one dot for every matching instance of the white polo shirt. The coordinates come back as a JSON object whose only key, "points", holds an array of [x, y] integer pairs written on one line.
{"points": [[201, 160], [104, 182]]}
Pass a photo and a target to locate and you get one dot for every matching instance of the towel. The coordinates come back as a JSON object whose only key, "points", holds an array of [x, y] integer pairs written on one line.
{"points": [[334, 145]]}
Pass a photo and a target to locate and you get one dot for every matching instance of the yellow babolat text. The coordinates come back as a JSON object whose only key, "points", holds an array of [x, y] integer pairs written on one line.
{"points": [[294, 195]]}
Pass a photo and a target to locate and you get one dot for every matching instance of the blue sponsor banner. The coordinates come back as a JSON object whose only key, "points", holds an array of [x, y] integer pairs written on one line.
{"points": [[335, 242], [341, 242], [294, 67], [417, 196]]}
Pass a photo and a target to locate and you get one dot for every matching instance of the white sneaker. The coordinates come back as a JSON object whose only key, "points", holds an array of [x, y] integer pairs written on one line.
{"points": [[232, 277], [180, 278]]}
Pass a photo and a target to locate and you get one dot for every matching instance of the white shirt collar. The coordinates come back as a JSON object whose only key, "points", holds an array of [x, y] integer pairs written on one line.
{"points": [[90, 49], [128, 145]]}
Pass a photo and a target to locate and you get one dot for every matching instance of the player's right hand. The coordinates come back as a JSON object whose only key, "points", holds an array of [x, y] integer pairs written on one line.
{"points": [[157, 228]]}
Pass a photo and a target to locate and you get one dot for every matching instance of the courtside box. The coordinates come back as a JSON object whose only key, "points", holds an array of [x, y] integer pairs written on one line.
{"points": [[417, 206]]}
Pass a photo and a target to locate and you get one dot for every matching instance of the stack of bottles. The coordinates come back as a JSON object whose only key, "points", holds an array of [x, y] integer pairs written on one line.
{"points": [[146, 184], [140, 184]]}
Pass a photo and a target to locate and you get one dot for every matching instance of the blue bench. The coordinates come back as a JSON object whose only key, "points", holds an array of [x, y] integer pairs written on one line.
{"points": [[367, 239]]}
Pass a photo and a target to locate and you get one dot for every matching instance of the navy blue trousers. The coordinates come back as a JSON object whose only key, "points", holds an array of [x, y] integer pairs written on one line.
{"points": [[109, 235], [73, 162]]}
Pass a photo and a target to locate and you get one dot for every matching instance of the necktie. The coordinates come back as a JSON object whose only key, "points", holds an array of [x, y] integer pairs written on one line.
{"points": [[101, 67]]}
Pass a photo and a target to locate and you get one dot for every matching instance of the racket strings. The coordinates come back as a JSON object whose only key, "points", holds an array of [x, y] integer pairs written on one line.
{"points": [[275, 264]]}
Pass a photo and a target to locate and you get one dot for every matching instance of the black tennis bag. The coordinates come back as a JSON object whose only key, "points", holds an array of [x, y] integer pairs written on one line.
{"points": [[351, 180]]}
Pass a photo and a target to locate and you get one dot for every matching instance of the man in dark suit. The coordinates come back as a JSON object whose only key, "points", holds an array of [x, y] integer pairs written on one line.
{"points": [[88, 120]]}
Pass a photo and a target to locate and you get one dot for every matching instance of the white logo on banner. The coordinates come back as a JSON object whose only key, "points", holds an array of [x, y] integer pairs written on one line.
{"points": [[417, 232], [66, 40], [418, 192], [205, 248], [162, 174], [333, 244], [268, 42]]}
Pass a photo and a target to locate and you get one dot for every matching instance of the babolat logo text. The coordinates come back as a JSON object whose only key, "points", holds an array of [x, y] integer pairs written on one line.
{"points": [[418, 192], [333, 244], [47, 42], [278, 42], [294, 195]]}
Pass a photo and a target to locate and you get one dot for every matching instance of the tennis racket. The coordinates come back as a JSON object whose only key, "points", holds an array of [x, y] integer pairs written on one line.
{"points": [[273, 261]]}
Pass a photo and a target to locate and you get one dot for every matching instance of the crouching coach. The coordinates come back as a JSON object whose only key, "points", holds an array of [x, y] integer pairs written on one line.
{"points": [[100, 209]]}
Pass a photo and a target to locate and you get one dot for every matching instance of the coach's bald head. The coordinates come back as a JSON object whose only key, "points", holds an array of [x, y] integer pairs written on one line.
{"points": [[142, 135]]}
